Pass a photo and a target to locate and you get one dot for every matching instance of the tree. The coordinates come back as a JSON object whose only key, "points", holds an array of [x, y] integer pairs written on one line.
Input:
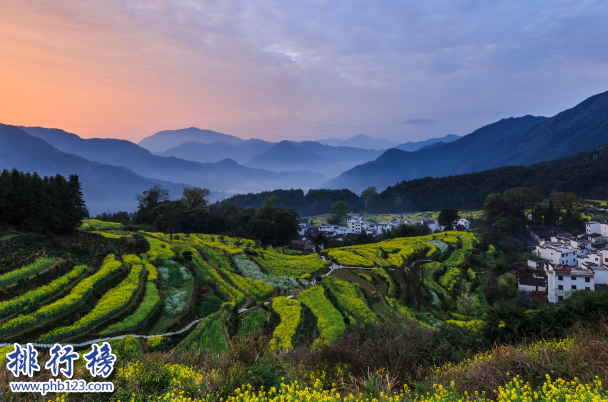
{"points": [[567, 202], [41, 204], [558, 200], [467, 304], [152, 197], [195, 198], [269, 201], [408, 231], [447, 217], [508, 282], [338, 213], [120, 217], [416, 276], [368, 195], [265, 231], [399, 204], [532, 195], [319, 240], [148, 200], [169, 217]]}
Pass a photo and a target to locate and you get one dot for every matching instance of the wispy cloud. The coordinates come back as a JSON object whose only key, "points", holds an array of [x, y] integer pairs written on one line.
{"points": [[420, 122]]}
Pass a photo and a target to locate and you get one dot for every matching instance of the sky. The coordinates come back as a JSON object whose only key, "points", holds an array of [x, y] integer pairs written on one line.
{"points": [[299, 70]]}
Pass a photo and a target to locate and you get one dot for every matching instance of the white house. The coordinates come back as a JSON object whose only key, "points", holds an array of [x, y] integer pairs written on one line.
{"points": [[433, 225], [529, 285], [302, 229], [356, 223], [596, 238], [594, 227], [557, 255], [562, 280], [583, 246], [537, 263], [333, 230], [463, 222], [604, 229], [591, 258]]}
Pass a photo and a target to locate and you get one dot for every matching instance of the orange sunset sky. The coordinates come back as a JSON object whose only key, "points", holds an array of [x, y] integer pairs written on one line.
{"points": [[299, 70]]}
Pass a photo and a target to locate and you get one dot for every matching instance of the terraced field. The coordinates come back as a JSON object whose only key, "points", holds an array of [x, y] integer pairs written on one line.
{"points": [[204, 289]]}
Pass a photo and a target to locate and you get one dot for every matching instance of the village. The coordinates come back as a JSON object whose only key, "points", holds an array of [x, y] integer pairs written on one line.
{"points": [[356, 224], [563, 263]]}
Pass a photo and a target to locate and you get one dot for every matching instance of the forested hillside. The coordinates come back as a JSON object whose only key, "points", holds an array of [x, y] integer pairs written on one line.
{"points": [[585, 174], [41, 204], [314, 202]]}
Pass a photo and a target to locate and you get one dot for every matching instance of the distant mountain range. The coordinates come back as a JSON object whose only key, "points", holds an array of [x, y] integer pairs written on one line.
{"points": [[360, 141], [311, 156], [216, 151], [286, 154], [104, 186], [112, 171], [225, 175], [513, 141], [168, 139], [430, 143]]}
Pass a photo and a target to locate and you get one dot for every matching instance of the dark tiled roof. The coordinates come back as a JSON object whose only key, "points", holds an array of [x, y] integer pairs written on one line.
{"points": [[532, 282]]}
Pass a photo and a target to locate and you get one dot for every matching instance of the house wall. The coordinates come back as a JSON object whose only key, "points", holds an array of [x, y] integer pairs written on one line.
{"points": [[601, 277], [594, 227], [529, 289]]}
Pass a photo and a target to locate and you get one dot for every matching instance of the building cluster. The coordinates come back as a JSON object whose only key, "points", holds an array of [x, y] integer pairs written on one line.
{"points": [[566, 262], [355, 224]]}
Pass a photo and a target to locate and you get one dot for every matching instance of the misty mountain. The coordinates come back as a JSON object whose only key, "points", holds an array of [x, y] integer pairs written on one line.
{"points": [[454, 158], [104, 150], [216, 151], [312, 156], [288, 156], [340, 153], [435, 145], [361, 141], [414, 146], [514, 141], [168, 139], [104, 186], [225, 175]]}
